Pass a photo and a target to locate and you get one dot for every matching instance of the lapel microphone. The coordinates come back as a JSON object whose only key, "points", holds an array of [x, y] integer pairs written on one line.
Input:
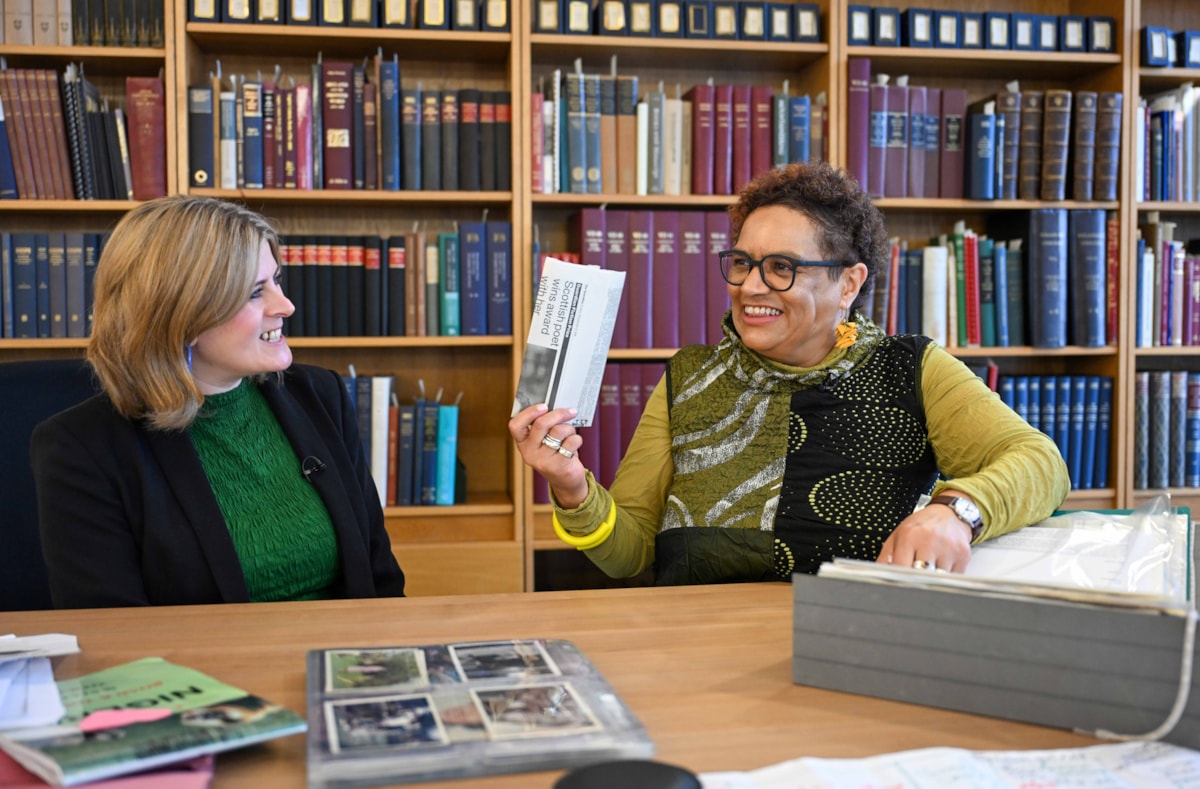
{"points": [[311, 465]]}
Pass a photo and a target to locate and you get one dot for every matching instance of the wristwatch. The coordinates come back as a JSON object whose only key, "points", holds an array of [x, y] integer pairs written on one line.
{"points": [[965, 510]]}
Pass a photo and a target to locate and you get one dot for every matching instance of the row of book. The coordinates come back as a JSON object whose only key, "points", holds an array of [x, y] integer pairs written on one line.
{"points": [[885, 26], [46, 283], [1166, 145], [419, 284], [65, 23], [674, 294], [1053, 285], [624, 391], [595, 134], [917, 141], [1168, 286], [1166, 429], [348, 127], [1162, 46], [1075, 411], [412, 445], [720, 19], [485, 15], [61, 140]]}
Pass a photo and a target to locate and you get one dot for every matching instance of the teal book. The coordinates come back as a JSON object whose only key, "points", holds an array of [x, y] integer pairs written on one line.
{"points": [[447, 454], [197, 715], [987, 292], [450, 312], [1015, 277]]}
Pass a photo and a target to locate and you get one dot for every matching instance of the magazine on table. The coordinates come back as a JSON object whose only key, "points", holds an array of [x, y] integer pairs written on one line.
{"points": [[437, 711], [573, 318], [141, 715]]}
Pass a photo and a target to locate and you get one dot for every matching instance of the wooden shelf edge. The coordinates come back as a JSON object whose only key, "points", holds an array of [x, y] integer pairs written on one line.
{"points": [[366, 196], [67, 206], [85, 53], [489, 341]]}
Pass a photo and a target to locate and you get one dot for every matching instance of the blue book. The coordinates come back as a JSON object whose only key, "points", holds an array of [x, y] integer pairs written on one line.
{"points": [[591, 132], [56, 262], [981, 154], [8, 176], [1091, 416], [449, 309], [405, 432], [1035, 402], [1192, 445], [428, 452], [800, 130], [41, 269], [1007, 392], [362, 407], [1103, 432], [473, 278], [1050, 407], [576, 134], [1000, 297], [6, 286], [987, 291], [447, 454], [498, 256], [1047, 251], [1021, 396], [1062, 417], [252, 135], [1087, 266], [76, 302], [200, 137], [92, 244], [420, 406], [389, 122]]}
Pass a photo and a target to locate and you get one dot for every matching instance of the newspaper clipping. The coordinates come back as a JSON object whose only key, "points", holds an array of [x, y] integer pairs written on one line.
{"points": [[572, 326]]}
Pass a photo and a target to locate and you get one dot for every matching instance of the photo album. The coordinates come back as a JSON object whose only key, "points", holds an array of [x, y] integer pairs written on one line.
{"points": [[421, 713]]}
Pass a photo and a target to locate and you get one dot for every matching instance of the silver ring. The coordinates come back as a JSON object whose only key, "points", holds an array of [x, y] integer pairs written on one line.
{"points": [[920, 564], [566, 452], [551, 441]]}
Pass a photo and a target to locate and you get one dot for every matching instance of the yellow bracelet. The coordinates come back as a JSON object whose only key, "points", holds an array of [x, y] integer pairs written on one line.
{"points": [[588, 541]]}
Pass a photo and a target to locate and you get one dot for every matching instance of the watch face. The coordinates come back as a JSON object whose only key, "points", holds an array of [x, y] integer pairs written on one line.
{"points": [[967, 510]]}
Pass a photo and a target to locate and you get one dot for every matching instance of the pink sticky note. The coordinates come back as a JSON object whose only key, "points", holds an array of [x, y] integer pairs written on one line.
{"points": [[111, 719]]}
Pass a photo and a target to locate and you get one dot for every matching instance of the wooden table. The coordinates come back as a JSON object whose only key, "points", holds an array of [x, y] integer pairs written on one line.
{"points": [[707, 669]]}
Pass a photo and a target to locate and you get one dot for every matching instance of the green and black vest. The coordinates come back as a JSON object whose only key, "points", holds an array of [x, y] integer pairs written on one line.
{"points": [[777, 472]]}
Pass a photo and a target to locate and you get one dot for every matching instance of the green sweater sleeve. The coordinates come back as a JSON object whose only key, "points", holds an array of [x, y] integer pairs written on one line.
{"points": [[1014, 473]]}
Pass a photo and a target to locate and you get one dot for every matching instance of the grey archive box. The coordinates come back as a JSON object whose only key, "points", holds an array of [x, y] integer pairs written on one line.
{"points": [[1052, 663]]}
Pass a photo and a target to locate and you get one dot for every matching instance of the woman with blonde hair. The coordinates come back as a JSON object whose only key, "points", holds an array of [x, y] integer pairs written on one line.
{"points": [[210, 469]]}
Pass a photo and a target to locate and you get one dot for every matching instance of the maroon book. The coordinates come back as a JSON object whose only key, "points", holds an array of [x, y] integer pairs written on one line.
{"points": [[702, 99], [716, 232], [741, 137], [858, 119], [895, 179], [608, 415], [693, 270], [761, 124], [933, 141], [631, 402], [665, 291], [541, 489], [639, 281], [916, 141], [269, 149], [616, 258], [337, 123], [723, 140], [587, 235], [954, 110], [877, 152], [287, 136], [147, 136]]}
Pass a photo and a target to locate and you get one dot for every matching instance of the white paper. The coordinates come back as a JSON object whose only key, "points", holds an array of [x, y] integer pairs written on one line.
{"points": [[32, 697]]}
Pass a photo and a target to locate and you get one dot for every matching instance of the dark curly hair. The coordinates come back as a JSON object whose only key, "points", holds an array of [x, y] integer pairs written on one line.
{"points": [[851, 226]]}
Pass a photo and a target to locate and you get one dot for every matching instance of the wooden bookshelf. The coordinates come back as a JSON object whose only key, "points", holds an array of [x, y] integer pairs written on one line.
{"points": [[490, 543]]}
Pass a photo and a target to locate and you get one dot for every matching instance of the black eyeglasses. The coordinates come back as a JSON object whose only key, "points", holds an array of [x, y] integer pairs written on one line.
{"points": [[777, 271]]}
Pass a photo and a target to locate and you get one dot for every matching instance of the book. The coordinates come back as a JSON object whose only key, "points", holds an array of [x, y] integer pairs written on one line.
{"points": [[858, 110], [877, 146], [447, 454], [449, 296], [692, 278], [449, 140], [953, 136], [1008, 105], [468, 140], [389, 124], [1087, 266], [203, 716], [1029, 147], [1056, 131], [569, 337], [641, 278], [473, 279], [461, 710], [1109, 106], [1083, 145], [917, 100], [337, 123], [429, 143], [981, 153], [1048, 277], [627, 93], [426, 481], [895, 179], [487, 140], [665, 279], [608, 135], [499, 265], [405, 437]]}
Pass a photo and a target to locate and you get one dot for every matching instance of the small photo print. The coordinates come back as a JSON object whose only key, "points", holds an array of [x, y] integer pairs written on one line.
{"points": [[519, 660], [533, 711], [375, 669], [384, 722]]}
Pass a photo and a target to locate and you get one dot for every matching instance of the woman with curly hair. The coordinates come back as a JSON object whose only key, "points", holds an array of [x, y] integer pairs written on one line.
{"points": [[806, 433]]}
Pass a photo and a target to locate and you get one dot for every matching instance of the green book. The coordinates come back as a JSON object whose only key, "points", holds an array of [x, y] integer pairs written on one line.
{"points": [[449, 312]]}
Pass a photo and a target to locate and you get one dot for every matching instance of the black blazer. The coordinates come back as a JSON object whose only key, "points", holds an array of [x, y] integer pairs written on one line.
{"points": [[127, 516]]}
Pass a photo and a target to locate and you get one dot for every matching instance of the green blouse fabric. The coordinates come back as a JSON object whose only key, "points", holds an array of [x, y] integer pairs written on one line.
{"points": [[280, 528]]}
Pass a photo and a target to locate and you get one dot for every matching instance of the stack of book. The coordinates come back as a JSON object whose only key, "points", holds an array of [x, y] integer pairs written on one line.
{"points": [[120, 24], [485, 15], [46, 283], [1166, 429], [1168, 299]]}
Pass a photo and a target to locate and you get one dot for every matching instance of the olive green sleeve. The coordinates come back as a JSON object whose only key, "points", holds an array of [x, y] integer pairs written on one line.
{"points": [[640, 489], [1013, 472]]}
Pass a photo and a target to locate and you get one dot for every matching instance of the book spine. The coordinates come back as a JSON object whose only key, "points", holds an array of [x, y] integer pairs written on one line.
{"points": [[337, 124], [576, 135], [270, 137], [981, 147], [664, 328], [916, 141], [253, 145], [895, 180], [405, 453], [414, 271], [742, 137], [859, 123], [1029, 161], [488, 149], [52, 97], [1056, 133], [723, 140], [954, 109], [1088, 263], [627, 87], [1191, 475], [410, 142], [656, 104], [432, 286], [716, 293], [1141, 430], [933, 141], [394, 315], [1108, 144], [498, 249], [468, 140], [761, 144], [75, 285], [639, 279], [429, 453], [389, 125], [616, 258], [800, 129], [1001, 295], [56, 262], [608, 135], [987, 292], [431, 140], [1083, 145], [1048, 267], [473, 279], [702, 98], [591, 132], [878, 139], [1008, 106], [447, 455], [692, 276], [449, 143], [449, 310], [41, 270], [1103, 432], [934, 306], [1177, 457]]}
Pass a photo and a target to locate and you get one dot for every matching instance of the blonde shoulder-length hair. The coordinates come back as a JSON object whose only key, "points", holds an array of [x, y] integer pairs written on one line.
{"points": [[173, 268]]}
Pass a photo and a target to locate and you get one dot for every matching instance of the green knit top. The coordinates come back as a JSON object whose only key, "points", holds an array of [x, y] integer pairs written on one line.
{"points": [[280, 528]]}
